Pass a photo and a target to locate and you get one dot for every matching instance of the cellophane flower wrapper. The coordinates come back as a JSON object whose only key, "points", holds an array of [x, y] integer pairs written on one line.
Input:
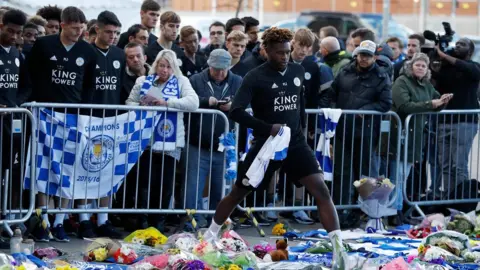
{"points": [[374, 197], [159, 261], [49, 253], [245, 259], [150, 237], [97, 246], [216, 259], [142, 250]]}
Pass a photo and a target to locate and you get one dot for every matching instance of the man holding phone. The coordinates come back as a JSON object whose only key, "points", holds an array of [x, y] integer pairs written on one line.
{"points": [[215, 88]]}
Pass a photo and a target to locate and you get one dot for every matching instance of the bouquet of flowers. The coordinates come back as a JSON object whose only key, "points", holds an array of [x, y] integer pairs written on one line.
{"points": [[374, 195], [150, 237], [125, 255], [100, 249]]}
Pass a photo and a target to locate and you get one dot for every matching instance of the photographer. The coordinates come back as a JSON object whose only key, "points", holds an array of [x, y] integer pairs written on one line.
{"points": [[458, 75]]}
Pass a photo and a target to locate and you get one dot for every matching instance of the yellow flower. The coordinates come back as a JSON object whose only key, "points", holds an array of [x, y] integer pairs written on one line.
{"points": [[100, 254], [21, 267], [421, 249], [222, 268], [279, 229], [234, 267], [66, 267]]}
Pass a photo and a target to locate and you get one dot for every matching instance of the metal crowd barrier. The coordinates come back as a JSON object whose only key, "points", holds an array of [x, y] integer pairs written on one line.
{"points": [[360, 147], [157, 183], [16, 205], [448, 171]]}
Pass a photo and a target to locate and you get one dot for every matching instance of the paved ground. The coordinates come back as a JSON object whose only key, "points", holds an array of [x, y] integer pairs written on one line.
{"points": [[250, 234]]}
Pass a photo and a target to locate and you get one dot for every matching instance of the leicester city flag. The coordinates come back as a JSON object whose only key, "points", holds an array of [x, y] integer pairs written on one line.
{"points": [[79, 156]]}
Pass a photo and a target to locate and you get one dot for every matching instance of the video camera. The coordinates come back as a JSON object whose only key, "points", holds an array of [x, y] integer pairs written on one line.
{"points": [[442, 41]]}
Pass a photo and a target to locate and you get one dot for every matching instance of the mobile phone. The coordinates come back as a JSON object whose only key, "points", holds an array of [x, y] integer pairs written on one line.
{"points": [[223, 102]]}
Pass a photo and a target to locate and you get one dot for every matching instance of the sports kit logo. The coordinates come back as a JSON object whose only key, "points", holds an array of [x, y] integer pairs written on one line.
{"points": [[98, 153], [166, 128]]}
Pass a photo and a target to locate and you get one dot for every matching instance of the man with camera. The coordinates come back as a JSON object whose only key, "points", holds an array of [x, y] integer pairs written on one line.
{"points": [[454, 72]]}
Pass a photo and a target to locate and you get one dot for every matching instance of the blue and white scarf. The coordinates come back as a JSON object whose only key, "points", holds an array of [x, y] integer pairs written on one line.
{"points": [[165, 136], [327, 122]]}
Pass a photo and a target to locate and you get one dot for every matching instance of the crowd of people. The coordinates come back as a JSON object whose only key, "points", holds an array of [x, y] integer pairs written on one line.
{"points": [[57, 56]]}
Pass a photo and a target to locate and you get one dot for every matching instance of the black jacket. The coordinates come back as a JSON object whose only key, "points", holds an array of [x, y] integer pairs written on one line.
{"points": [[240, 69], [370, 90], [462, 80], [153, 49], [255, 59], [397, 68], [200, 83], [128, 82]]}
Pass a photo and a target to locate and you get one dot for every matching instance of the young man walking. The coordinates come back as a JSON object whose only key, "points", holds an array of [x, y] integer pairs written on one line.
{"points": [[275, 93]]}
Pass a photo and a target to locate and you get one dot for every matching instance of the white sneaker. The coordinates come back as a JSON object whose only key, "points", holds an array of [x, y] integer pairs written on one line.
{"points": [[302, 218], [271, 215]]}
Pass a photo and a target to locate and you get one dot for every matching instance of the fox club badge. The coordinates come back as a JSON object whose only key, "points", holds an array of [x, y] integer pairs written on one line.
{"points": [[80, 61], [296, 81], [116, 64], [98, 153], [308, 76], [17, 62], [166, 128]]}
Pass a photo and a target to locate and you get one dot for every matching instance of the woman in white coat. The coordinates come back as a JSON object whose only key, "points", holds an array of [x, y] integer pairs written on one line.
{"points": [[164, 86]]}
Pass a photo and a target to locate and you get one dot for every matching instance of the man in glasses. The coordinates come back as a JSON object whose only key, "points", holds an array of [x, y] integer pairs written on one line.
{"points": [[217, 38]]}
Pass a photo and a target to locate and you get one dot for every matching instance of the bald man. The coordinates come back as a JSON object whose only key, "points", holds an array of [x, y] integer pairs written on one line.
{"points": [[332, 55]]}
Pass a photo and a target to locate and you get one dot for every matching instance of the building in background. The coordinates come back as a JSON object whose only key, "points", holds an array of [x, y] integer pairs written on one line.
{"points": [[436, 7]]}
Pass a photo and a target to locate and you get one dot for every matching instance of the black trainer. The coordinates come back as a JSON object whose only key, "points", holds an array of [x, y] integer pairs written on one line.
{"points": [[108, 230], [86, 230]]}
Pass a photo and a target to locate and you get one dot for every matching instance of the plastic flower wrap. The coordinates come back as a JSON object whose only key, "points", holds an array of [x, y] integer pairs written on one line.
{"points": [[158, 261], [374, 197], [100, 249], [186, 244], [150, 237], [260, 250], [233, 245], [125, 255], [48, 253], [181, 256], [203, 248], [97, 255], [216, 259], [245, 259], [450, 241], [437, 255]]}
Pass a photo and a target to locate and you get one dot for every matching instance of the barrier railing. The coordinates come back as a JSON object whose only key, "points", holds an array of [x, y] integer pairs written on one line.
{"points": [[119, 171], [447, 171], [16, 206], [360, 147]]}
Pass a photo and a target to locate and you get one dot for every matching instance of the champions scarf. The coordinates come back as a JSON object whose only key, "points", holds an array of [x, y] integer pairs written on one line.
{"points": [[165, 135], [78, 156]]}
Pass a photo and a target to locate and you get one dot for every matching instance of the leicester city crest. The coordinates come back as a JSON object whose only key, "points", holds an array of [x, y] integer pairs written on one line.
{"points": [[98, 153], [166, 128]]}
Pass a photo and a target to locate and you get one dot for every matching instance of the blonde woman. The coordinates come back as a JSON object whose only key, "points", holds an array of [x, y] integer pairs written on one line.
{"points": [[413, 93], [164, 86]]}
